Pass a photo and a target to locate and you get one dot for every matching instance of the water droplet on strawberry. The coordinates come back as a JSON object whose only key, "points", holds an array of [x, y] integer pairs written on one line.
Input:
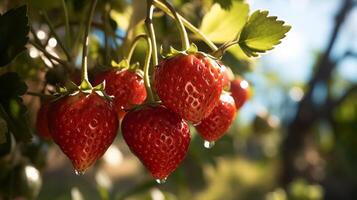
{"points": [[79, 173], [161, 181], [208, 144]]}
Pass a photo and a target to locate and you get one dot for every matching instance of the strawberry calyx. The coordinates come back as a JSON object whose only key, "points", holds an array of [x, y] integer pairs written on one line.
{"points": [[193, 49], [85, 87], [124, 64]]}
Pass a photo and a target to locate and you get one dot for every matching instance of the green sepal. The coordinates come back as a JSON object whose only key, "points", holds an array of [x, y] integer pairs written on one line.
{"points": [[85, 86], [100, 87], [122, 64], [134, 67], [173, 52]]}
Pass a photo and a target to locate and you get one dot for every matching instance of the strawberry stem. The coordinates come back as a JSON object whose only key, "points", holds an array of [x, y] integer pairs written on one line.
{"points": [[84, 74], [146, 68], [134, 44], [183, 34], [67, 28], [191, 27], [151, 31], [222, 49]]}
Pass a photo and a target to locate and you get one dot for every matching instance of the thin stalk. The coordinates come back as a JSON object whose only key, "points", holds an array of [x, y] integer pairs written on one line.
{"points": [[106, 36], [146, 69], [134, 44], [150, 28], [48, 55], [183, 34], [67, 28], [86, 41], [220, 51], [38, 94], [191, 27], [52, 29]]}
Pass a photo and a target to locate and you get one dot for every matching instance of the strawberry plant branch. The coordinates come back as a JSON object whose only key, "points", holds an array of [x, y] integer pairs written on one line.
{"points": [[183, 34], [106, 35], [190, 26], [48, 55], [60, 43], [146, 68], [67, 28], [85, 82], [150, 28], [134, 44], [220, 51]]}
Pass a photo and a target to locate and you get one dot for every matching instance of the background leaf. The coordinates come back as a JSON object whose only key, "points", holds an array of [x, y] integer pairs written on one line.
{"points": [[262, 33], [219, 30], [13, 30], [12, 108]]}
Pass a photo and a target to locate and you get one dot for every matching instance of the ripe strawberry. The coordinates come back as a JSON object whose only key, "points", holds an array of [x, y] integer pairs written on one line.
{"points": [[126, 86], [189, 85], [218, 122], [84, 126], [42, 121], [240, 91], [227, 77], [158, 137]]}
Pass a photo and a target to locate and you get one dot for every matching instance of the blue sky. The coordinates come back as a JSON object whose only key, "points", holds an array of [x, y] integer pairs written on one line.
{"points": [[292, 61]]}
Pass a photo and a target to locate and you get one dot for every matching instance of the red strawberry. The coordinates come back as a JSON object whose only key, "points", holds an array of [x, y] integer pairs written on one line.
{"points": [[218, 122], [126, 86], [84, 126], [240, 91], [227, 77], [158, 137], [42, 121], [189, 85]]}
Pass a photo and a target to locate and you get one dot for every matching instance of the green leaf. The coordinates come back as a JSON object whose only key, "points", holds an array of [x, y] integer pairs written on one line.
{"points": [[261, 33], [223, 25], [12, 108], [13, 30]]}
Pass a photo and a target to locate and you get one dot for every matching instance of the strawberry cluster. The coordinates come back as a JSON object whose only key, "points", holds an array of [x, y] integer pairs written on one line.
{"points": [[191, 90]]}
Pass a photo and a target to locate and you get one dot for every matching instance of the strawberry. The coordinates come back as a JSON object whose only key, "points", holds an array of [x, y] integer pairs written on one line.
{"points": [[83, 125], [158, 137], [42, 121], [126, 86], [240, 91], [218, 122], [189, 85], [227, 76]]}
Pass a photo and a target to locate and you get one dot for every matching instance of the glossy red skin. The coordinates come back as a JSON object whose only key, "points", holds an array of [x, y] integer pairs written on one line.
{"points": [[83, 126], [239, 94], [189, 85], [227, 76], [127, 87], [42, 121], [218, 122], [158, 137]]}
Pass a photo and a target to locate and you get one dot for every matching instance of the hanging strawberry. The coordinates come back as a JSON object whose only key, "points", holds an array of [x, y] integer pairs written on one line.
{"points": [[158, 137], [218, 122]]}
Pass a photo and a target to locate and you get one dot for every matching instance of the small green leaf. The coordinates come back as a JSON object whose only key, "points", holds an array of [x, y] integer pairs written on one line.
{"points": [[13, 30], [221, 25], [261, 33]]}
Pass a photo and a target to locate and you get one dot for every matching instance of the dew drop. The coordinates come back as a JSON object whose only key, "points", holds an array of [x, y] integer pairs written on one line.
{"points": [[161, 181], [208, 144], [78, 172]]}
